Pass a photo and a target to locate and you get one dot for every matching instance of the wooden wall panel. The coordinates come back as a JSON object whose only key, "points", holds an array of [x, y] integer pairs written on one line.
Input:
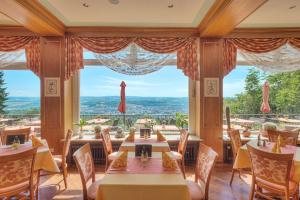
{"points": [[211, 125], [52, 108]]}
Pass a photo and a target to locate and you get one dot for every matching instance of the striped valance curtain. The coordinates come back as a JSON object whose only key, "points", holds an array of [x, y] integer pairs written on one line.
{"points": [[31, 44], [253, 45], [186, 49]]}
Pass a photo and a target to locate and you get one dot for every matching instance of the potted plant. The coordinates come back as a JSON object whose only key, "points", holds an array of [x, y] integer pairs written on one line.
{"points": [[97, 130], [181, 121], [81, 124]]}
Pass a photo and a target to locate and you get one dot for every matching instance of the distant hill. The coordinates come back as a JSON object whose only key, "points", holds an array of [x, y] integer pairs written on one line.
{"points": [[109, 105]]}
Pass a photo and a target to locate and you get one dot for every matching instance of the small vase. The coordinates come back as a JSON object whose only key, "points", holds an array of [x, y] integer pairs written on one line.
{"points": [[81, 134]]}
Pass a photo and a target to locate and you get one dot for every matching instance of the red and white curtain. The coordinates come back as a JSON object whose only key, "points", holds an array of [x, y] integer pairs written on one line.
{"points": [[31, 44], [256, 46], [186, 49]]}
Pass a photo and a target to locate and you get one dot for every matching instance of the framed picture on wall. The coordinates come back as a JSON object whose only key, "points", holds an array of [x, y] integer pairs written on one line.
{"points": [[52, 87], [211, 87]]}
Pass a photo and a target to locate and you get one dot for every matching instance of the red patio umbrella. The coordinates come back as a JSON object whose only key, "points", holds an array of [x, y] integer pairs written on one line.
{"points": [[265, 107], [122, 105]]}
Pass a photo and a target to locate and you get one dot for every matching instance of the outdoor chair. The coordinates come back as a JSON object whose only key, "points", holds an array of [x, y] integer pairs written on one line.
{"points": [[271, 172], [17, 175], [85, 165], [206, 159], [179, 154]]}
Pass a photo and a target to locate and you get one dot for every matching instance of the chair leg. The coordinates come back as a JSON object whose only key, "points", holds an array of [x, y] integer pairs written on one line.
{"points": [[65, 174], [232, 175], [287, 195], [183, 168], [252, 190]]}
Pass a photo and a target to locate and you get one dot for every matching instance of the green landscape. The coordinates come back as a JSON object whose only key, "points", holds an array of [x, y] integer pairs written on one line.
{"points": [[284, 94]]}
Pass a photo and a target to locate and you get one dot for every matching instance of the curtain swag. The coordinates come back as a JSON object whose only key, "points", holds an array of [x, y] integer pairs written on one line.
{"points": [[256, 45], [31, 44], [186, 49]]}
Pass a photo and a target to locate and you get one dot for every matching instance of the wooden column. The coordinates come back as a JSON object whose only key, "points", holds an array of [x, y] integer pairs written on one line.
{"points": [[211, 108], [52, 108]]}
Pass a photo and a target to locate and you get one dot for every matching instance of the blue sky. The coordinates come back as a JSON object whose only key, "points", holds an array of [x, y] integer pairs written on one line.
{"points": [[101, 81]]}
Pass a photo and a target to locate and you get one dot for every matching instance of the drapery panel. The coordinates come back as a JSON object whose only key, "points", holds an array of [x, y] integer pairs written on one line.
{"points": [[31, 44], [186, 49], [252, 45]]}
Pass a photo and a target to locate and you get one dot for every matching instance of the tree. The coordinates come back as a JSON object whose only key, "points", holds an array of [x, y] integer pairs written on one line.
{"points": [[3, 93]]}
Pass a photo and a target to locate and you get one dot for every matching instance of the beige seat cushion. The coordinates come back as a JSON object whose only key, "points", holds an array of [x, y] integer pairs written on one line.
{"points": [[196, 192], [176, 155], [113, 156], [92, 189], [58, 160]]}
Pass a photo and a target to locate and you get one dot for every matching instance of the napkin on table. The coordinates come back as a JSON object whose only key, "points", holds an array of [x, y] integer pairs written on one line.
{"points": [[36, 142], [160, 136], [121, 161], [168, 162], [130, 137]]}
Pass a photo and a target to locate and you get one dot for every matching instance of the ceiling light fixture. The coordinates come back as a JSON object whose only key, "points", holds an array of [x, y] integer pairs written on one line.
{"points": [[85, 5], [115, 2], [292, 7]]}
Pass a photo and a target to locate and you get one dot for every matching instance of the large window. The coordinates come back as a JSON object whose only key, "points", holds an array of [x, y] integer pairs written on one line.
{"points": [[158, 96]]}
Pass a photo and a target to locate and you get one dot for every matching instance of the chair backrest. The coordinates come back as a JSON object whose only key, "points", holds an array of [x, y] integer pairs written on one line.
{"points": [[184, 136], [21, 133], [107, 145], [288, 137], [66, 146], [85, 165], [205, 162], [17, 168], [271, 167], [235, 139]]}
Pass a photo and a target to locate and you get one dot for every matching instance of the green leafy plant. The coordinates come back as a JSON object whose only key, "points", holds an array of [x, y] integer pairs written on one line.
{"points": [[81, 124], [181, 120]]}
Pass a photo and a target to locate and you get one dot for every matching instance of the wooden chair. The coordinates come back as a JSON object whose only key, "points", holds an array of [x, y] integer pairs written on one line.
{"points": [[236, 143], [61, 160], [108, 150], [205, 162], [84, 163], [17, 175], [271, 172], [288, 137], [179, 154], [0, 141], [21, 133]]}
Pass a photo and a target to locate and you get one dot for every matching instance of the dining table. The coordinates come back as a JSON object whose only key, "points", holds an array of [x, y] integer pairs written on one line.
{"points": [[157, 146], [143, 180], [43, 160], [242, 160]]}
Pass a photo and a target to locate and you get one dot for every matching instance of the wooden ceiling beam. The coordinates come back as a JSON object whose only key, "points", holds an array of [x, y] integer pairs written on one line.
{"points": [[264, 33], [97, 31], [225, 15], [33, 16]]}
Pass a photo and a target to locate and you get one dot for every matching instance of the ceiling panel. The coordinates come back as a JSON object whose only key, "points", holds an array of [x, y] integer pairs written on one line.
{"points": [[275, 14], [4, 20], [129, 13]]}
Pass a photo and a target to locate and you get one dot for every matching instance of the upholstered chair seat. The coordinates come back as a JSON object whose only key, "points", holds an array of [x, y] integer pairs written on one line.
{"points": [[271, 186], [58, 160], [112, 156], [92, 189], [176, 155], [197, 191]]}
